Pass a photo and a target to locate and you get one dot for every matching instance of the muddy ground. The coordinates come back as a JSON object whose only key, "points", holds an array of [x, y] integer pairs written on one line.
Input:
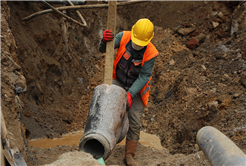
{"points": [[199, 78]]}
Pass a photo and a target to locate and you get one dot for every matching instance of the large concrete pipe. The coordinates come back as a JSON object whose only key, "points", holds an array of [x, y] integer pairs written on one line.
{"points": [[218, 148], [107, 121]]}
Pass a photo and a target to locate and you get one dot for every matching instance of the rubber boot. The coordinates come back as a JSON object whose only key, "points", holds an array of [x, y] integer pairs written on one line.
{"points": [[130, 152]]}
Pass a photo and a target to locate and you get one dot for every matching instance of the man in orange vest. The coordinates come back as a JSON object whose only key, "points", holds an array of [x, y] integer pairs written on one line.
{"points": [[132, 71]]}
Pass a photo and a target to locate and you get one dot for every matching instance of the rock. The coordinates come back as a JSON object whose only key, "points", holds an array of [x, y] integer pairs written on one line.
{"points": [[145, 125], [244, 54], [186, 31], [200, 38], [236, 95], [234, 26], [243, 79], [36, 119], [192, 44], [214, 13], [81, 81], [203, 67], [193, 34], [223, 18], [171, 62], [226, 103], [213, 104], [174, 30], [230, 93], [18, 89], [220, 15], [196, 148], [207, 38], [97, 67], [220, 34], [215, 24], [217, 20]]}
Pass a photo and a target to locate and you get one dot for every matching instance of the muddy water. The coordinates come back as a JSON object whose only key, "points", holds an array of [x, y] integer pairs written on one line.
{"points": [[74, 137]]}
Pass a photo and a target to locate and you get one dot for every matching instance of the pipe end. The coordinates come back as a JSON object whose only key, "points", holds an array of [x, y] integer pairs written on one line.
{"points": [[96, 145]]}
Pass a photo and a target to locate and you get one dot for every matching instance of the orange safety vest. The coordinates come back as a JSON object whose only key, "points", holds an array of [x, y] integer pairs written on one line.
{"points": [[149, 53]]}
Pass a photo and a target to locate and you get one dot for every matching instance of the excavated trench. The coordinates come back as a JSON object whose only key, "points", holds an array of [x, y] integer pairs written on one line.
{"points": [[194, 84]]}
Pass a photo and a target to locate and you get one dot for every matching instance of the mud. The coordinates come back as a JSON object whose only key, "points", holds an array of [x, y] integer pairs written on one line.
{"points": [[74, 137], [199, 79]]}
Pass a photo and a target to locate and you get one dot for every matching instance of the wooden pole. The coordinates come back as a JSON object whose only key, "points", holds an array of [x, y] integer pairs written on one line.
{"points": [[110, 45]]}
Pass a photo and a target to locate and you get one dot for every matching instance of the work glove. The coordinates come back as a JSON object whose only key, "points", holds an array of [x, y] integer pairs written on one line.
{"points": [[107, 36], [129, 101]]}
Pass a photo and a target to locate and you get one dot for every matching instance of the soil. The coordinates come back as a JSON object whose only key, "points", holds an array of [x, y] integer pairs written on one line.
{"points": [[199, 78]]}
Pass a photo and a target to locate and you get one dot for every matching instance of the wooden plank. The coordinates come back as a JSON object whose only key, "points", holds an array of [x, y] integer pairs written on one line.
{"points": [[110, 45]]}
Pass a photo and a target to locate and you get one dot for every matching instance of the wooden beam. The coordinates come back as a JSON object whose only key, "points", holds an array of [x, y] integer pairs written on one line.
{"points": [[110, 45]]}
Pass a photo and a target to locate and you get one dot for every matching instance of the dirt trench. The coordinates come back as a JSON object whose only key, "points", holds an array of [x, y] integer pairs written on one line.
{"points": [[195, 82]]}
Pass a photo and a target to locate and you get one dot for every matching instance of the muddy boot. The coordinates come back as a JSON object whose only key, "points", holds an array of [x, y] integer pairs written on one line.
{"points": [[130, 152]]}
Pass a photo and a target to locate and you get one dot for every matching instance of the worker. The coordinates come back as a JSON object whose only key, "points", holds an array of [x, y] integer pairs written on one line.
{"points": [[132, 70]]}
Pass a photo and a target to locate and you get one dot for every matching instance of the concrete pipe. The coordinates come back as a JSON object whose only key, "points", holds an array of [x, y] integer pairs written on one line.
{"points": [[218, 148], [107, 121]]}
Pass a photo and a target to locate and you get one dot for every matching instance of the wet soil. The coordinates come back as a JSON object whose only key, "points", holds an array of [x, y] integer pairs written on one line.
{"points": [[194, 84], [74, 137]]}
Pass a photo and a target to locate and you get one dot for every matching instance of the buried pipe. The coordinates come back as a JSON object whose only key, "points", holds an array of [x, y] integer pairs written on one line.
{"points": [[218, 148], [107, 121]]}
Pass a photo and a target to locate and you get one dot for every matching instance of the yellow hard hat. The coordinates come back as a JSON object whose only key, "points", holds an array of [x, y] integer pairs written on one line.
{"points": [[142, 32]]}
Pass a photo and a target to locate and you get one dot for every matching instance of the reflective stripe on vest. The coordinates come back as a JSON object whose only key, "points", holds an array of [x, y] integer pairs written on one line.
{"points": [[146, 89]]}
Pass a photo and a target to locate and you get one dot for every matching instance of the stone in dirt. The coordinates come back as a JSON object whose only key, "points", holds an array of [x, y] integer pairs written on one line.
{"points": [[244, 54], [243, 79], [192, 44], [220, 15], [215, 24], [223, 18], [220, 34], [200, 38], [207, 38], [186, 31], [171, 62]]}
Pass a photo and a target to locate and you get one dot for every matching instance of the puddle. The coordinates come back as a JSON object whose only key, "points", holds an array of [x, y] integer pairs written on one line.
{"points": [[147, 140], [67, 139], [74, 137]]}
